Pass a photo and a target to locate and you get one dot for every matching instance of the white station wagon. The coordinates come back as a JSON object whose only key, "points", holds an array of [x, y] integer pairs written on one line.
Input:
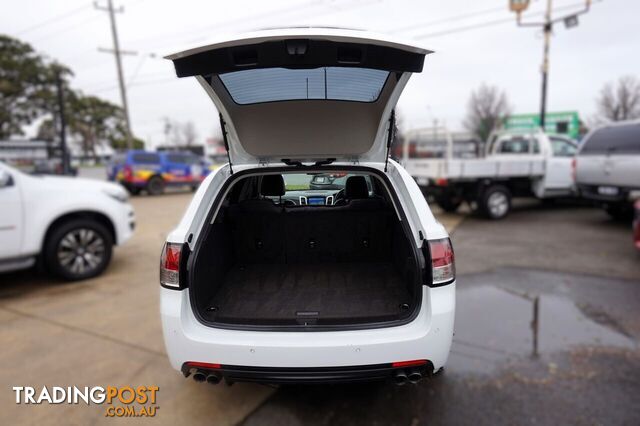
{"points": [[311, 256]]}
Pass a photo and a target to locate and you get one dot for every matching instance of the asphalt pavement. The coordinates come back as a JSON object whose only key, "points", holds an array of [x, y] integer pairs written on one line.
{"points": [[580, 365], [585, 367]]}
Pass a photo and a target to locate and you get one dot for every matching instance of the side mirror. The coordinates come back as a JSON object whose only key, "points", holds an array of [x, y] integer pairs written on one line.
{"points": [[5, 179]]}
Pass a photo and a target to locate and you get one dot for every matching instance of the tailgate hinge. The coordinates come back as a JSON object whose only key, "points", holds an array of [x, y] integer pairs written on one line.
{"points": [[390, 136], [223, 127]]}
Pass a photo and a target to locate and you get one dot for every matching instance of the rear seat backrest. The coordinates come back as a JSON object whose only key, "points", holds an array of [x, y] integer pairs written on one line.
{"points": [[258, 226], [265, 232]]}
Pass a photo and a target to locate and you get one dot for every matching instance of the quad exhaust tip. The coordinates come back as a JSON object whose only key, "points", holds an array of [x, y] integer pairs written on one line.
{"points": [[402, 377]]}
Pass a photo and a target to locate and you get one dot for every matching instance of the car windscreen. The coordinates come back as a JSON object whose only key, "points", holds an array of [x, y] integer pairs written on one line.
{"points": [[618, 139], [317, 181], [283, 84]]}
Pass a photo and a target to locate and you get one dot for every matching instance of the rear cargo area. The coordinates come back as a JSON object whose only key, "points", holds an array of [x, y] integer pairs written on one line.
{"points": [[268, 264]]}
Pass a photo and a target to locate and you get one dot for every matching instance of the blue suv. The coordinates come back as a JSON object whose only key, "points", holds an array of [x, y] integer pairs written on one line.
{"points": [[154, 171]]}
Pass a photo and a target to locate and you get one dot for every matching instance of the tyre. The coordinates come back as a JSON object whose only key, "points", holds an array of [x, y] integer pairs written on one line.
{"points": [[495, 202], [448, 204], [78, 249], [155, 186], [134, 190], [620, 212]]}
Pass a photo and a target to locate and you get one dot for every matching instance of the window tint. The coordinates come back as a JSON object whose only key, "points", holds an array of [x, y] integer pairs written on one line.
{"points": [[183, 158], [562, 148], [514, 146], [619, 139], [146, 158], [281, 84]]}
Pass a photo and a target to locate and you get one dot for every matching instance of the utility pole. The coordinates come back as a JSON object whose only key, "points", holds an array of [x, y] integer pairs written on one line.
{"points": [[117, 53], [570, 21], [62, 123]]}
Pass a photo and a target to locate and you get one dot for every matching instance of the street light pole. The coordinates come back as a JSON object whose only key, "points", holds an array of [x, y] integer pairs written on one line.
{"points": [[545, 63], [571, 20]]}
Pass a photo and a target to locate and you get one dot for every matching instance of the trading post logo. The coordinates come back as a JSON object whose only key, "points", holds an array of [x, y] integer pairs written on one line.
{"points": [[119, 401]]}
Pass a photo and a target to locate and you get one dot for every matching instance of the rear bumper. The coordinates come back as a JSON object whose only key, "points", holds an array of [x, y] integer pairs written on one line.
{"points": [[280, 375], [590, 192], [309, 355]]}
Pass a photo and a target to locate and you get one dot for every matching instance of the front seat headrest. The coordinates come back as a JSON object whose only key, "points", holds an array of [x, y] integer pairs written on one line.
{"points": [[272, 186], [356, 188]]}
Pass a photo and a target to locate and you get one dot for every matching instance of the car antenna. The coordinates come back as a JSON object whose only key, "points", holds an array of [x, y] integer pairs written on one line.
{"points": [[390, 135], [223, 127]]}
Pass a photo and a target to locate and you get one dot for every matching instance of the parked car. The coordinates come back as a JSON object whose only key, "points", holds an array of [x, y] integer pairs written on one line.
{"points": [[260, 283], [607, 167], [514, 164], [139, 170], [71, 224]]}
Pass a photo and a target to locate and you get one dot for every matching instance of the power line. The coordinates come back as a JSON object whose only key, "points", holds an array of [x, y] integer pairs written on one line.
{"points": [[450, 19], [50, 35], [490, 23], [53, 19]]}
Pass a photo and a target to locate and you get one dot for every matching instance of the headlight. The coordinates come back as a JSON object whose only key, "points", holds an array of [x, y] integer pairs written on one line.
{"points": [[119, 194]]}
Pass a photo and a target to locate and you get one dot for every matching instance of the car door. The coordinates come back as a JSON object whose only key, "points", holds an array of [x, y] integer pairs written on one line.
{"points": [[11, 213], [559, 175], [303, 94]]}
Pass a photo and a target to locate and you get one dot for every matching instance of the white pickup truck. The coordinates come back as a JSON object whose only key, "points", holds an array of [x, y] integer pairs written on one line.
{"points": [[69, 223], [531, 164]]}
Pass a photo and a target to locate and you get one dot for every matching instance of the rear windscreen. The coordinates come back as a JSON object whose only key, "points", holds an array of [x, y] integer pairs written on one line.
{"points": [[282, 84], [619, 139]]}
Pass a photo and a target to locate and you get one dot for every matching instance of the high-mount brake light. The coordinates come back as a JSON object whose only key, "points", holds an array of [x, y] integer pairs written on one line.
{"points": [[170, 265], [443, 265]]}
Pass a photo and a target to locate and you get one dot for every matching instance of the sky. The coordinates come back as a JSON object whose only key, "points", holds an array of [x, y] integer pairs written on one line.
{"points": [[475, 42]]}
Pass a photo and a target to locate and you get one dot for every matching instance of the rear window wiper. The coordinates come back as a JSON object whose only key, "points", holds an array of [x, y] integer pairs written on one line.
{"points": [[297, 163]]}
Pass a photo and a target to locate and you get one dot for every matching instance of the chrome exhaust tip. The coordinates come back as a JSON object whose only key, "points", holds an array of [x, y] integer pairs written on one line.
{"points": [[414, 377], [213, 379], [199, 376], [400, 378]]}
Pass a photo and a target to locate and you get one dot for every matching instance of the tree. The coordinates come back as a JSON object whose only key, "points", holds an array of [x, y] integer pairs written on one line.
{"points": [[179, 134], [189, 133], [27, 86], [487, 108], [621, 101]]}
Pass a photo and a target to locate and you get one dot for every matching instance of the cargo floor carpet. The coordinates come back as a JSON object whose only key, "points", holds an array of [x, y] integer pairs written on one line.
{"points": [[288, 292]]}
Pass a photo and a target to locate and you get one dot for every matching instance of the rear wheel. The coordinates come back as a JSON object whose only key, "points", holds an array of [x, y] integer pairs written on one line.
{"points": [[619, 212], [155, 186], [495, 202], [78, 249], [448, 204]]}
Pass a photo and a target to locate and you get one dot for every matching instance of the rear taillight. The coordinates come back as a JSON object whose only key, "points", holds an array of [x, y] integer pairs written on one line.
{"points": [[441, 182], [170, 265], [443, 266], [573, 169]]}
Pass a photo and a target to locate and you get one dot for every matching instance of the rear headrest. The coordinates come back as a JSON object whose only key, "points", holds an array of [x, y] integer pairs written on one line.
{"points": [[272, 186], [356, 187]]}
